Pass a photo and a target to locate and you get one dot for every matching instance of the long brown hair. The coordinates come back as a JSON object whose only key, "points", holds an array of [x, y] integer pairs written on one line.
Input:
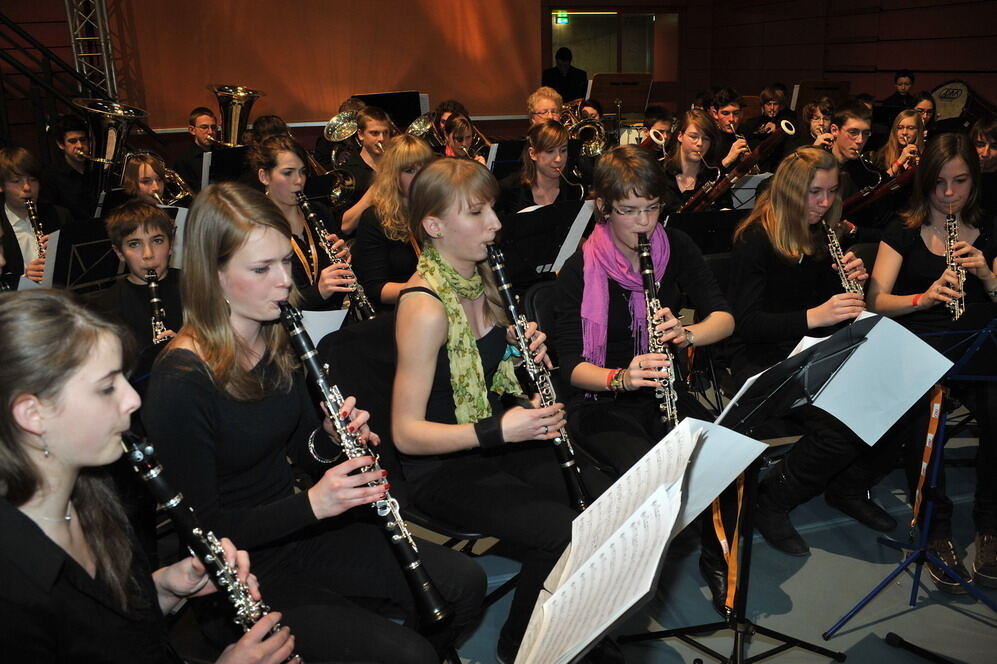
{"points": [[402, 152], [781, 210], [221, 220], [702, 121], [447, 183], [543, 136], [889, 153], [129, 179], [46, 336], [940, 150]]}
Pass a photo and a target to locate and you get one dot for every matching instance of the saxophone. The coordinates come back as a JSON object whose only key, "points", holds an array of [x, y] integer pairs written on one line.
{"points": [[539, 376], [158, 313], [834, 246], [956, 307], [665, 391], [36, 225], [360, 306], [204, 545], [431, 604]]}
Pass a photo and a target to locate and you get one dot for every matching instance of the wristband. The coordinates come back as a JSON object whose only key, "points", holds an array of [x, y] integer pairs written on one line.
{"points": [[489, 432], [917, 298], [609, 378]]}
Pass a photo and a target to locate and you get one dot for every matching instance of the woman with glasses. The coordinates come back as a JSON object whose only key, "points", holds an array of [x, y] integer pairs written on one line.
{"points": [[544, 104], [602, 327], [693, 162]]}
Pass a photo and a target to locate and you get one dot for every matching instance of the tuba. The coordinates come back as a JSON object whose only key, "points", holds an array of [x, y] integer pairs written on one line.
{"points": [[592, 133], [110, 123], [340, 127], [234, 102], [425, 128]]}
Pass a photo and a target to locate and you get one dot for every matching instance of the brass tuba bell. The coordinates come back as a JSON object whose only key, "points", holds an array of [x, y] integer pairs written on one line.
{"points": [[234, 102], [340, 127], [110, 124]]}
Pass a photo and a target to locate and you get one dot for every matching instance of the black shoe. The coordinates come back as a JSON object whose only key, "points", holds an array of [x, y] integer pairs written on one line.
{"points": [[945, 550], [863, 510], [716, 580], [778, 531], [985, 561]]}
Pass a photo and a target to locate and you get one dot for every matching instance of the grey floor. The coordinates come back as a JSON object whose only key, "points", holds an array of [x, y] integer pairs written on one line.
{"points": [[803, 597]]}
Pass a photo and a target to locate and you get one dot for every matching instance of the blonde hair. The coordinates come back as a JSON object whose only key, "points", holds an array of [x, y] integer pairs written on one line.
{"points": [[542, 93], [889, 153], [221, 220], [402, 152], [782, 209], [454, 184]]}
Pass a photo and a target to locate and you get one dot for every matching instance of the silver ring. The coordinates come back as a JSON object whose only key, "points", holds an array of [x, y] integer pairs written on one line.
{"points": [[546, 429]]}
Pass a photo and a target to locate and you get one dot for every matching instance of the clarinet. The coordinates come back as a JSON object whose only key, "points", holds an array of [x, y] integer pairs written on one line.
{"points": [[36, 225], [956, 307], [834, 246], [433, 609], [156, 304], [359, 304], [665, 391], [203, 544], [541, 381]]}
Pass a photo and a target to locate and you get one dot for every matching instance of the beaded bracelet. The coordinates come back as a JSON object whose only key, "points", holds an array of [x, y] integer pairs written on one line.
{"points": [[619, 381]]}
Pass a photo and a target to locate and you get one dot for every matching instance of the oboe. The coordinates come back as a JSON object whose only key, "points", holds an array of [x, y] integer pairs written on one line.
{"points": [[431, 604], [156, 304], [955, 306], [541, 381], [665, 391], [203, 544], [36, 225], [834, 246], [359, 304]]}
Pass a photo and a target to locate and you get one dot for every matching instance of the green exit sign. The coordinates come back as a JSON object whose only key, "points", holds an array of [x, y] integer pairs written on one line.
{"points": [[561, 20]]}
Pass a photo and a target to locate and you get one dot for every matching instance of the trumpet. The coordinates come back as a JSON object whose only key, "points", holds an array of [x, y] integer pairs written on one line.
{"points": [[36, 225]]}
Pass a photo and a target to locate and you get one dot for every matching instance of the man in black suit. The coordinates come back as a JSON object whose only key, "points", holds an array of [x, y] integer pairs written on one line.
{"points": [[570, 82], [203, 126]]}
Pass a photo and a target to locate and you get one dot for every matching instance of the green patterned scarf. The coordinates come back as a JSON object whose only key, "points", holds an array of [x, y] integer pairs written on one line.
{"points": [[467, 377]]}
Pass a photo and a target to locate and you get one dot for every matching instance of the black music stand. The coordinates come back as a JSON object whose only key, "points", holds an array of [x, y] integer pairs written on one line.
{"points": [[712, 231], [970, 344], [796, 381], [227, 164], [84, 259], [531, 241], [508, 158]]}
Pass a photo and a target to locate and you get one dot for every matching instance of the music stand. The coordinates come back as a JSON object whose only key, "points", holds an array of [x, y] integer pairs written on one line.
{"points": [[796, 381], [402, 107], [632, 91], [532, 240], [712, 231], [970, 344], [508, 157], [84, 257], [227, 164]]}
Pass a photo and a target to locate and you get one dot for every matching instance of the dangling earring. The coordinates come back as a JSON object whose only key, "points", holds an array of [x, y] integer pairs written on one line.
{"points": [[46, 452]]}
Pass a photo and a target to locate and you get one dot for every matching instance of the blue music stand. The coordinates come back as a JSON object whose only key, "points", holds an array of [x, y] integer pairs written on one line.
{"points": [[968, 345]]}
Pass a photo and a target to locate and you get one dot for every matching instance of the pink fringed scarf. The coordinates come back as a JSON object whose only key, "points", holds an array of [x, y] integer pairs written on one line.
{"points": [[604, 261]]}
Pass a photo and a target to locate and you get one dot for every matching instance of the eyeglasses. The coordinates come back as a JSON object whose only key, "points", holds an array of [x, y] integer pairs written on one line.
{"points": [[552, 111], [633, 212]]}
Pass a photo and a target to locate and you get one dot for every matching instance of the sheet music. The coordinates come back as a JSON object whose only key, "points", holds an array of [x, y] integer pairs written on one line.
{"points": [[574, 236], [492, 152], [206, 169], [51, 251], [176, 260], [617, 576], [23, 283], [320, 323]]}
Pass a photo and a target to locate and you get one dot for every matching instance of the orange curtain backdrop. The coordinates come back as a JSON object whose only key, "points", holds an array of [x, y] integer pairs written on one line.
{"points": [[309, 55]]}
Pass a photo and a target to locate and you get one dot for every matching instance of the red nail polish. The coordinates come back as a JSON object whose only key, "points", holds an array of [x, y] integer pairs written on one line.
{"points": [[350, 428], [384, 473]]}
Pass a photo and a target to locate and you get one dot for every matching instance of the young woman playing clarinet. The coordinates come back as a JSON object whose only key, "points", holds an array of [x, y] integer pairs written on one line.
{"points": [[541, 180], [904, 146], [384, 253], [228, 406], [693, 161], [785, 285], [468, 459], [76, 585], [281, 167], [913, 283]]}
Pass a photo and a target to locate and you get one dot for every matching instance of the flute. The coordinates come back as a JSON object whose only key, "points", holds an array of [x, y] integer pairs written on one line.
{"points": [[431, 604], [539, 376], [360, 305], [202, 544]]}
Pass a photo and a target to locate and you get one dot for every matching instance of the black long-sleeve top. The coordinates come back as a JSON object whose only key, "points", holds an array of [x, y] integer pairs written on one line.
{"points": [[687, 275], [770, 296], [190, 164], [129, 303], [311, 299], [229, 458], [673, 197], [378, 260], [66, 187], [515, 196], [53, 611]]}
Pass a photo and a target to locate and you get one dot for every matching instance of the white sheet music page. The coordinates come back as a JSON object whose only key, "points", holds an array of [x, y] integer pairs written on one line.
{"points": [[663, 465], [618, 575]]}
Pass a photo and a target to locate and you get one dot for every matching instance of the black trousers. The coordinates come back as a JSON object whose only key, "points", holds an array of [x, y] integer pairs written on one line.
{"points": [[514, 493], [341, 591]]}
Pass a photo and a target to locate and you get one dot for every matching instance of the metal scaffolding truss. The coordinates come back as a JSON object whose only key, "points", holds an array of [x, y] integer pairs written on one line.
{"points": [[91, 42]]}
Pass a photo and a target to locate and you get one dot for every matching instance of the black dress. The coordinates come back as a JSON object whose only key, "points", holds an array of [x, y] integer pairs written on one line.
{"points": [[515, 196], [334, 580], [53, 611], [309, 261], [672, 198], [378, 260]]}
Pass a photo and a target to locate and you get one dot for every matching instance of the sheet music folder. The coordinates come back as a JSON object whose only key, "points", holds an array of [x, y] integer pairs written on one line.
{"points": [[532, 240]]}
